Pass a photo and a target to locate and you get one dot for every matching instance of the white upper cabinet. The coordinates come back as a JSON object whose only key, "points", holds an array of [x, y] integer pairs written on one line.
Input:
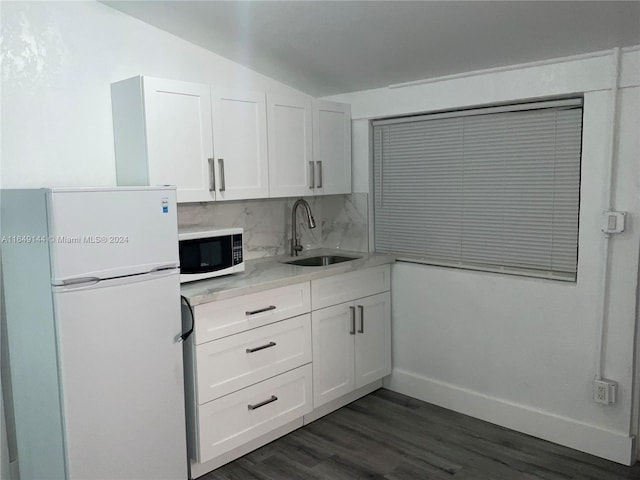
{"points": [[290, 146], [162, 133], [240, 144], [221, 144], [332, 147]]}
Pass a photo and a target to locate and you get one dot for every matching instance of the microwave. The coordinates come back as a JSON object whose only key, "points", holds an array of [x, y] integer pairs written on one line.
{"points": [[210, 253]]}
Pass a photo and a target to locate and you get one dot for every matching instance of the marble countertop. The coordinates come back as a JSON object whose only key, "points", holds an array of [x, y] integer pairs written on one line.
{"points": [[269, 272]]}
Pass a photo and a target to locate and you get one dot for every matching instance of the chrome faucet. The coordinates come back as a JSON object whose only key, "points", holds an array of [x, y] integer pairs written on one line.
{"points": [[295, 243]]}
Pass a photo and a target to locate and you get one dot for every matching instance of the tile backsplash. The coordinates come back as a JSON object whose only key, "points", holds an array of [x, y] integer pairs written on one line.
{"points": [[341, 222]]}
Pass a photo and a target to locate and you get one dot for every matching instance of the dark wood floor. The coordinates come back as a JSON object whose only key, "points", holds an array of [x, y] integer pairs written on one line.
{"points": [[386, 435]]}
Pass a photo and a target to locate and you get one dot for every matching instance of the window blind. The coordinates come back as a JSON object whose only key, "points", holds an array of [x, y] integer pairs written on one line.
{"points": [[494, 191]]}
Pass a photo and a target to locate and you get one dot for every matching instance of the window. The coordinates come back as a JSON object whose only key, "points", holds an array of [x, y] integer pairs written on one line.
{"points": [[493, 189]]}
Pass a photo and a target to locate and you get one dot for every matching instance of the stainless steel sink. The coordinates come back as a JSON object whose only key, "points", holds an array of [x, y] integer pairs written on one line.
{"points": [[320, 260]]}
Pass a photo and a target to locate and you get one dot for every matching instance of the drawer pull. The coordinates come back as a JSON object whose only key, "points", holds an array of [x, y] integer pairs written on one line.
{"points": [[261, 310], [261, 347], [263, 403], [361, 329], [353, 320]]}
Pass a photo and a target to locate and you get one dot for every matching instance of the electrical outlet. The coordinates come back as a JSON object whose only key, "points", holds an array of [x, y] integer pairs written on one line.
{"points": [[604, 391]]}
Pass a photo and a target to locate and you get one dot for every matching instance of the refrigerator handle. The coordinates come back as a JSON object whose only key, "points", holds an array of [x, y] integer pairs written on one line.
{"points": [[163, 268], [187, 334], [79, 282]]}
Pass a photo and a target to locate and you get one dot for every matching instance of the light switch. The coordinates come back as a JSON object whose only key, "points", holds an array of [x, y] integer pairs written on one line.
{"points": [[613, 222]]}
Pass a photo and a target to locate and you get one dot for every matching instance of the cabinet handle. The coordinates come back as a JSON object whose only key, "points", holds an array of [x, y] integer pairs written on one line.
{"points": [[261, 347], [263, 403], [361, 308], [212, 176], [319, 165], [353, 320], [261, 310], [312, 176], [222, 182]]}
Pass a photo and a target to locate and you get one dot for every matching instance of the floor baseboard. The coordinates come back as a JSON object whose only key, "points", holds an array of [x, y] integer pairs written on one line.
{"points": [[565, 431]]}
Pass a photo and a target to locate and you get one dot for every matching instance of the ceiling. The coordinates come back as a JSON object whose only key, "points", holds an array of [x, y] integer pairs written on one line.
{"points": [[330, 47]]}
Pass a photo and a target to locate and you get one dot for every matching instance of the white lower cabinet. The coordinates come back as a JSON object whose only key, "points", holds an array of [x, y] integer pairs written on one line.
{"points": [[333, 353], [351, 346], [248, 370], [373, 338], [259, 363], [252, 356], [234, 315], [235, 419], [349, 286]]}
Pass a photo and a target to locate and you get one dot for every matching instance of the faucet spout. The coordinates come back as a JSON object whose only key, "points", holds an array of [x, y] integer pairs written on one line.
{"points": [[295, 242]]}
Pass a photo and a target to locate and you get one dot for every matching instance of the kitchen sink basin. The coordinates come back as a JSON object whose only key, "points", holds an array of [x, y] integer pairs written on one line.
{"points": [[321, 260]]}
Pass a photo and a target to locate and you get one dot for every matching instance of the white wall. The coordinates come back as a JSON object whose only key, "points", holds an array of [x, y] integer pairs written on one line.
{"points": [[517, 351], [59, 59]]}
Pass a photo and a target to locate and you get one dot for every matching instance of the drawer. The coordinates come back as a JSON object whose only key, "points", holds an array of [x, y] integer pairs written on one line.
{"points": [[237, 361], [230, 421], [226, 317], [349, 286]]}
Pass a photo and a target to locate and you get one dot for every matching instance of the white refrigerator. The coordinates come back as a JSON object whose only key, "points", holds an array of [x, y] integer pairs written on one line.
{"points": [[92, 299]]}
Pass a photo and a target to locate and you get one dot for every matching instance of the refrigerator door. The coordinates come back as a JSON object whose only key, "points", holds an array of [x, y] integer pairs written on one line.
{"points": [[111, 232], [122, 378]]}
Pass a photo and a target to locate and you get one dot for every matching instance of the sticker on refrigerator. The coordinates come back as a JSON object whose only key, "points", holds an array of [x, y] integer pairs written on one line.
{"points": [[165, 205]]}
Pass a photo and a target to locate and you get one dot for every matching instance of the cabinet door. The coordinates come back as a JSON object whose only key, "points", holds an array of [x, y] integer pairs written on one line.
{"points": [[240, 144], [333, 352], [373, 338], [332, 147], [179, 137], [290, 145]]}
